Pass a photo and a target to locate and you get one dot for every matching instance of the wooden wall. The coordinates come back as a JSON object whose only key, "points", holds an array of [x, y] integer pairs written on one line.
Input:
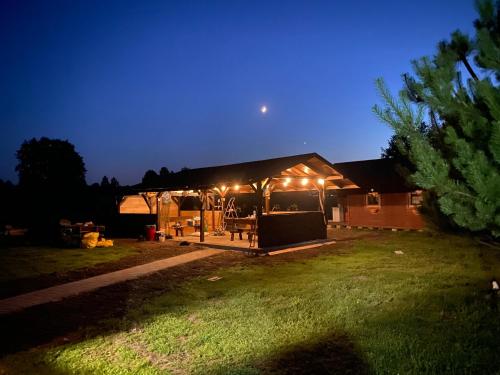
{"points": [[394, 211], [189, 214], [284, 229], [134, 204]]}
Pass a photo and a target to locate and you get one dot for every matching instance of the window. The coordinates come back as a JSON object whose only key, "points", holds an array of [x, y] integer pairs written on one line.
{"points": [[416, 198], [373, 199]]}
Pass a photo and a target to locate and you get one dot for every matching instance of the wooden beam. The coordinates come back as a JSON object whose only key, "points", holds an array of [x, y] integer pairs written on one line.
{"points": [[145, 196], [122, 200], [334, 177], [313, 168]]}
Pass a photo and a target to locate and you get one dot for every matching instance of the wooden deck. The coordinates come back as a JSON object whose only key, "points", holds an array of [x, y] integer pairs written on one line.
{"points": [[220, 242], [225, 243]]}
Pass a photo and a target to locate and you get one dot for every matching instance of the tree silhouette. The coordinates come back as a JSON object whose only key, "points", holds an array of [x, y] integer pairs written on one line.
{"points": [[105, 182], [150, 178], [164, 172], [49, 163], [52, 184], [114, 183]]}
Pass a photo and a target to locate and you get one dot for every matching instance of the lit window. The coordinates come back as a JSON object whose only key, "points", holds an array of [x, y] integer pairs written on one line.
{"points": [[416, 198], [373, 199]]}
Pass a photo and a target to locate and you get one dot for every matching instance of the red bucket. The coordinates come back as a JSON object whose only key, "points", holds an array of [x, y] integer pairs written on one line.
{"points": [[150, 232]]}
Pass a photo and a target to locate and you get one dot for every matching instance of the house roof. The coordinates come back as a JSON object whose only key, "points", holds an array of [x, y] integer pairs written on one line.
{"points": [[381, 175], [295, 167]]}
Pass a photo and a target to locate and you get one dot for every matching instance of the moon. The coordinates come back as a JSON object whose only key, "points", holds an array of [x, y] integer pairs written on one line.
{"points": [[263, 109]]}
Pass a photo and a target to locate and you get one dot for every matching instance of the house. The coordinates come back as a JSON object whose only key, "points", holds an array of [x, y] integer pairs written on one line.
{"points": [[368, 193], [383, 198]]}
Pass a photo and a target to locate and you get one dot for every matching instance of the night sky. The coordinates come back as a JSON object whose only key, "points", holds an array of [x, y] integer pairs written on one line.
{"points": [[138, 85]]}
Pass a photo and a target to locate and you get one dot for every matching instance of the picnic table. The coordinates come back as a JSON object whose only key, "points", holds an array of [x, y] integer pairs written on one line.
{"points": [[242, 224]]}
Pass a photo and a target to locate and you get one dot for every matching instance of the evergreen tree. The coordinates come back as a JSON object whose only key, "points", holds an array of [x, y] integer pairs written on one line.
{"points": [[164, 172], [105, 182], [150, 178], [458, 162], [114, 183]]}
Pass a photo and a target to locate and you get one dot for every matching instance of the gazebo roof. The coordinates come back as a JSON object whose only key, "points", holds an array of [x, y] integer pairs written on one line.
{"points": [[291, 170]]}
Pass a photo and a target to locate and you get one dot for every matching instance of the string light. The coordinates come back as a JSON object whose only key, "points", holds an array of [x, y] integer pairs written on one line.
{"points": [[304, 181], [321, 181], [287, 180], [236, 187]]}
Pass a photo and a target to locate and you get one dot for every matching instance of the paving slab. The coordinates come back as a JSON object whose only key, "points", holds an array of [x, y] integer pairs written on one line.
{"points": [[298, 248]]}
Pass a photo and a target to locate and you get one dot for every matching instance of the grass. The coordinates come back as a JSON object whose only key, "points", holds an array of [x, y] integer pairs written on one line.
{"points": [[30, 261], [364, 309]]}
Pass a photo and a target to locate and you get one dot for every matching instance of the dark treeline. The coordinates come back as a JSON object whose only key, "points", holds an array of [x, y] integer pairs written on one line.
{"points": [[52, 187]]}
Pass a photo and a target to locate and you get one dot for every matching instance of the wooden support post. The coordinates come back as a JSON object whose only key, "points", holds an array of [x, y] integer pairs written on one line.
{"points": [[168, 216], [158, 210], [204, 201], [268, 200], [322, 194], [259, 192], [321, 199], [212, 203], [202, 224]]}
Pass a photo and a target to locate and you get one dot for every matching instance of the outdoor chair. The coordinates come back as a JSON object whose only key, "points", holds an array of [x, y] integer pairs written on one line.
{"points": [[235, 229], [179, 228]]}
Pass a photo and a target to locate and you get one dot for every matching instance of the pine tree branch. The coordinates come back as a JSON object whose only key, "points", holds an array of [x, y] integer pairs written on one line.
{"points": [[469, 68]]}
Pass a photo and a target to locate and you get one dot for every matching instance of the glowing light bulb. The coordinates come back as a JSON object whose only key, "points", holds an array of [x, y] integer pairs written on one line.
{"points": [[321, 181], [287, 180], [223, 187], [236, 187], [304, 181], [263, 109]]}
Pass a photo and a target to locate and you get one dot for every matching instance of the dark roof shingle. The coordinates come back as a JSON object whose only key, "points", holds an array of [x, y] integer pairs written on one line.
{"points": [[381, 175]]}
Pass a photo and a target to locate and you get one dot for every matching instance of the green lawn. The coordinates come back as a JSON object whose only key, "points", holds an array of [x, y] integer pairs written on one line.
{"points": [[363, 309], [30, 261]]}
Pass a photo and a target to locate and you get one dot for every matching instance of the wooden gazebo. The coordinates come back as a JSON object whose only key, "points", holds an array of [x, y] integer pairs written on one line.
{"points": [[303, 172]]}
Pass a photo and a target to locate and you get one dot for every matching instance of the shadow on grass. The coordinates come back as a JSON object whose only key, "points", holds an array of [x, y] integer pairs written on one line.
{"points": [[333, 354]]}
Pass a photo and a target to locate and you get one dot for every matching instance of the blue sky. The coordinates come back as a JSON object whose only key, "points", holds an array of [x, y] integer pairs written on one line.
{"points": [[141, 85]]}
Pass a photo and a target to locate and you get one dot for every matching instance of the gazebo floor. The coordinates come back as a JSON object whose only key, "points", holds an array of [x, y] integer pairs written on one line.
{"points": [[220, 242], [225, 243]]}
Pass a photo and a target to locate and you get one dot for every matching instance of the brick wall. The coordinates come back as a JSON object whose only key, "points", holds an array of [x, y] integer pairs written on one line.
{"points": [[394, 211]]}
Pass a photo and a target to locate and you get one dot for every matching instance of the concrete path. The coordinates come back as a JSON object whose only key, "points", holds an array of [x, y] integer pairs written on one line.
{"points": [[58, 292], [297, 248]]}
